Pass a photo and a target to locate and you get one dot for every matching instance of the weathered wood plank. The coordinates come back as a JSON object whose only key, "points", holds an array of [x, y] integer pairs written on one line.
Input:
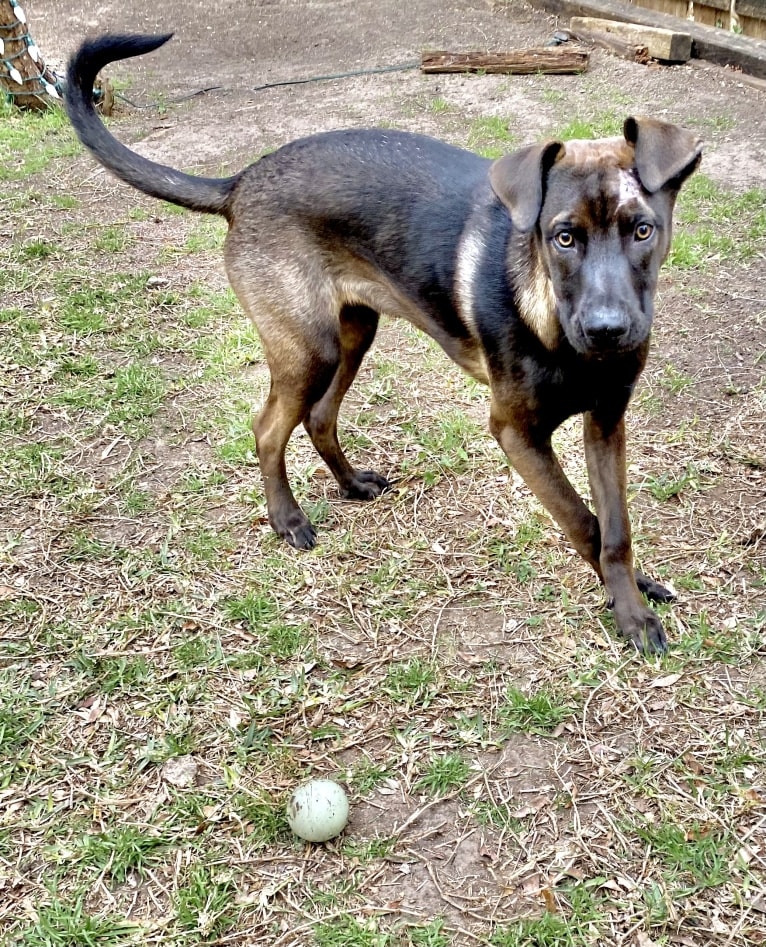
{"points": [[615, 45], [716, 46], [668, 45], [547, 59], [754, 8]]}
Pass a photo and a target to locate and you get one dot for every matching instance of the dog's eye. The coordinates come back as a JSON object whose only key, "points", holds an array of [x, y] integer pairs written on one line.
{"points": [[644, 231], [565, 239]]}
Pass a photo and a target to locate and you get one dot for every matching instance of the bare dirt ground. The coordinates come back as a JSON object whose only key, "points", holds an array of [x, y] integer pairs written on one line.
{"points": [[645, 748]]}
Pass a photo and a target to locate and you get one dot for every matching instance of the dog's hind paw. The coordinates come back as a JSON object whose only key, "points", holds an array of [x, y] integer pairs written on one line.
{"points": [[365, 485]]}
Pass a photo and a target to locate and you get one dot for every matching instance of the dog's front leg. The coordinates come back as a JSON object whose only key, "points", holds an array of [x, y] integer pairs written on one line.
{"points": [[531, 453], [605, 457]]}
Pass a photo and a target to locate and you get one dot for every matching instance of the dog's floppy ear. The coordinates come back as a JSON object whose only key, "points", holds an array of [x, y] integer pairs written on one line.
{"points": [[518, 180], [665, 153]]}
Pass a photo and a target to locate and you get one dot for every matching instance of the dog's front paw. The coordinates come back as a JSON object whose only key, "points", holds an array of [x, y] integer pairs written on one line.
{"points": [[296, 530], [645, 632], [365, 485], [653, 590]]}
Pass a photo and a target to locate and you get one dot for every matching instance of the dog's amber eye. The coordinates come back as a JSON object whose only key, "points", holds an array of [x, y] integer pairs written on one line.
{"points": [[644, 231], [565, 239]]}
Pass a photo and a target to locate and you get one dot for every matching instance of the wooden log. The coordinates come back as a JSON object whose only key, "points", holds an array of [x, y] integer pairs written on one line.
{"points": [[547, 59], [614, 44], [667, 45]]}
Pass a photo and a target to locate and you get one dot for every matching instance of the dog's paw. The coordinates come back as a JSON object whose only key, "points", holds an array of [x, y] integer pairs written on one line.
{"points": [[365, 485], [296, 530], [653, 590], [646, 634]]}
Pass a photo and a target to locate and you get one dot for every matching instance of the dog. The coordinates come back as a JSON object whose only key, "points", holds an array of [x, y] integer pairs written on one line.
{"points": [[536, 273]]}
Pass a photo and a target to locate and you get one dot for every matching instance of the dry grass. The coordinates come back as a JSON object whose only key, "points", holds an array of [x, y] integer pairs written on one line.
{"points": [[170, 671]]}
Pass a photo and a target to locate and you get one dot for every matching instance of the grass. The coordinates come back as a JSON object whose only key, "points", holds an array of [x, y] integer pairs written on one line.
{"points": [[719, 225], [603, 125], [119, 853], [516, 776], [443, 774], [32, 141], [491, 137], [60, 923], [691, 858], [540, 712]]}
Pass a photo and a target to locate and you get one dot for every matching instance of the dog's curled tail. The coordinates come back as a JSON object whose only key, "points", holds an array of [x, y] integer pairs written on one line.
{"points": [[208, 195]]}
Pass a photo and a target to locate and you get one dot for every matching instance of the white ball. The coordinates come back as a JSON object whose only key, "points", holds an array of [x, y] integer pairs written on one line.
{"points": [[318, 810]]}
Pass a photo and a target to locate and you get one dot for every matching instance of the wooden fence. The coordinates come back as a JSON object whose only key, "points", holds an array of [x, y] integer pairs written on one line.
{"points": [[747, 17]]}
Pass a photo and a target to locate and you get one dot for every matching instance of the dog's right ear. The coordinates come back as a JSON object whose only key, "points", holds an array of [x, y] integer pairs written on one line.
{"points": [[519, 179]]}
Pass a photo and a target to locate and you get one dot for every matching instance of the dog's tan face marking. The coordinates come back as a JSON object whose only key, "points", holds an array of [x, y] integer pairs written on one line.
{"points": [[599, 154]]}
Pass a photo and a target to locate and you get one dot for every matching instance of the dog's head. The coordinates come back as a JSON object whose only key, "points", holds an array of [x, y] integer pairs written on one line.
{"points": [[600, 213]]}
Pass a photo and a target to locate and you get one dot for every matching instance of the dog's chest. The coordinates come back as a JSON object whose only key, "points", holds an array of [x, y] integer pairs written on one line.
{"points": [[553, 387]]}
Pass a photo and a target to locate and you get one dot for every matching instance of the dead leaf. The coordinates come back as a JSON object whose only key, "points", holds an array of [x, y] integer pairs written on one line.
{"points": [[523, 813], [550, 900], [91, 710], [667, 681]]}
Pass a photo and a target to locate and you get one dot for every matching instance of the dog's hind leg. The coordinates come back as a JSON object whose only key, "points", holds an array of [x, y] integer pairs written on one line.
{"points": [[289, 401], [358, 325]]}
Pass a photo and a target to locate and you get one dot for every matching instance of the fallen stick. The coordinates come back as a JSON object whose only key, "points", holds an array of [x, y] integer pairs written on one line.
{"points": [[554, 59]]}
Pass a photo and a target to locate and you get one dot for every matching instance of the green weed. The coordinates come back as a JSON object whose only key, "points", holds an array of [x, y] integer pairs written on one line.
{"points": [[540, 712], [64, 922], [443, 773]]}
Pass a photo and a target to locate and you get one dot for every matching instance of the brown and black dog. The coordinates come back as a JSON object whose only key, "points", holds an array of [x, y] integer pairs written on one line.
{"points": [[536, 273]]}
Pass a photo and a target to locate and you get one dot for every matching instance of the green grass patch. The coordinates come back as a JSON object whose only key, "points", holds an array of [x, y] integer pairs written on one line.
{"points": [[715, 224], [120, 851], [603, 125], [30, 141], [443, 773], [205, 902], [490, 136], [540, 712], [65, 922], [692, 857]]}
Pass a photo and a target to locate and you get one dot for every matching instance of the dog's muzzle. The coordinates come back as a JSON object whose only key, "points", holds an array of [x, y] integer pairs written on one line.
{"points": [[606, 329]]}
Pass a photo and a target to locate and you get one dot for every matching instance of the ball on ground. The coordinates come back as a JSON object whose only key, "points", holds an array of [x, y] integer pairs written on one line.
{"points": [[318, 810]]}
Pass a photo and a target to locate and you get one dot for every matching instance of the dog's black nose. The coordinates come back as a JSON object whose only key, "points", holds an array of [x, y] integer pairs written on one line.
{"points": [[605, 328]]}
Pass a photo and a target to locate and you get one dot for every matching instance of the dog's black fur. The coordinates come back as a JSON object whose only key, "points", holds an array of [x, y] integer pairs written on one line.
{"points": [[536, 273]]}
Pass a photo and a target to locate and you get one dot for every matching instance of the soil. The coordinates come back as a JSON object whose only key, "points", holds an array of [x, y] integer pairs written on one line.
{"points": [[715, 335]]}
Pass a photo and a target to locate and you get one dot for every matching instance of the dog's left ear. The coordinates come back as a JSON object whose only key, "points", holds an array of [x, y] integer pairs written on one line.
{"points": [[519, 180], [665, 153]]}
